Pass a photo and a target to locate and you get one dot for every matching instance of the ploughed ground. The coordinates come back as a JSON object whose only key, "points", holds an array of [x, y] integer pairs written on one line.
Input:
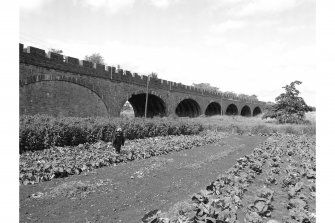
{"points": [[126, 192]]}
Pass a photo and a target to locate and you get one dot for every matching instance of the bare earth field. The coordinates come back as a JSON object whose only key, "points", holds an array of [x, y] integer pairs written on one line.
{"points": [[126, 192]]}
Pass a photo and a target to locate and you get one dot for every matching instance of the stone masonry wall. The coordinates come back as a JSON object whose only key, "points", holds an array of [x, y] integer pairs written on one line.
{"points": [[65, 86]]}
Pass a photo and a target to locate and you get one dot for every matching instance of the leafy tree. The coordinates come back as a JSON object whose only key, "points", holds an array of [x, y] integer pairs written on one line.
{"points": [[289, 107], [268, 108], [206, 86], [153, 75], [95, 58], [254, 97], [231, 93], [53, 50], [243, 96], [312, 108]]}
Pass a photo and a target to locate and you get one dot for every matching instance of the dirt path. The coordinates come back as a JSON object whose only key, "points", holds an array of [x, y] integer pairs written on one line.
{"points": [[124, 193]]}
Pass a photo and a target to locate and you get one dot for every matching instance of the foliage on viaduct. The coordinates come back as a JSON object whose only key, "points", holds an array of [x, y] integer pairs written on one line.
{"points": [[60, 85]]}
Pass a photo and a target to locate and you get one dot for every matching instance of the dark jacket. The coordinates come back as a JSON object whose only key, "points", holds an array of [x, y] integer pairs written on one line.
{"points": [[118, 139]]}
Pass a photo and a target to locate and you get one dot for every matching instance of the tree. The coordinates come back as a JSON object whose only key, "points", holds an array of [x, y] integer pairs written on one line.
{"points": [[95, 58], [153, 75], [254, 97], [248, 97], [206, 86], [289, 107], [243, 96], [53, 50], [230, 93], [312, 108]]}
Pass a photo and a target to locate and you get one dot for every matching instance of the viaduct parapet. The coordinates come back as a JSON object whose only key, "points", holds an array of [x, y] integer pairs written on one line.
{"points": [[60, 85]]}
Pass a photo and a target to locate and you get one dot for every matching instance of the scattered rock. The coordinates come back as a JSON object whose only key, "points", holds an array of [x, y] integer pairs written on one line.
{"points": [[37, 195]]}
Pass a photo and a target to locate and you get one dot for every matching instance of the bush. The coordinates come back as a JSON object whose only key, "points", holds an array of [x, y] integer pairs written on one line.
{"points": [[289, 107], [261, 129], [41, 131]]}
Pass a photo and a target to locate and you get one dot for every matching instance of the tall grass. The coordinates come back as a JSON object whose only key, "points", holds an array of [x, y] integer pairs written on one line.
{"points": [[255, 125], [41, 131]]}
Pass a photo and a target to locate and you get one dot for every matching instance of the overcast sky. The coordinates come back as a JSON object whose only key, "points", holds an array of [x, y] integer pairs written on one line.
{"points": [[244, 46]]}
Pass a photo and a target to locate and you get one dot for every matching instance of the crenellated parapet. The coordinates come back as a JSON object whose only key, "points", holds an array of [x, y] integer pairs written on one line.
{"points": [[41, 58]]}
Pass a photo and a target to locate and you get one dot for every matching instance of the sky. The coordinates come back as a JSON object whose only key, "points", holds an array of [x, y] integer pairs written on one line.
{"points": [[244, 46]]}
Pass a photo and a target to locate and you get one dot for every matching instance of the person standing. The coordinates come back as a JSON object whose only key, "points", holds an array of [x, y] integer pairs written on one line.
{"points": [[118, 140]]}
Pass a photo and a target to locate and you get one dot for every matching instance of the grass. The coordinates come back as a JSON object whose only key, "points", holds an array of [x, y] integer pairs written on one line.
{"points": [[311, 116], [41, 132], [255, 125]]}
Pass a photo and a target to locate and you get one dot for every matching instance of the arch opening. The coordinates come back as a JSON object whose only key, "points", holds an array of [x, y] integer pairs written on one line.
{"points": [[127, 111], [213, 108], [156, 106], [256, 111], [232, 110], [246, 111], [188, 108]]}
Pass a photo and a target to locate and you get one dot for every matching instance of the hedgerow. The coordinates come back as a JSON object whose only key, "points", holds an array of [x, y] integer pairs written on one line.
{"points": [[40, 132], [58, 162]]}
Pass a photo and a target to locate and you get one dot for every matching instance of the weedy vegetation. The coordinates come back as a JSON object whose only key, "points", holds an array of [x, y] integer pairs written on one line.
{"points": [[285, 164], [42, 132]]}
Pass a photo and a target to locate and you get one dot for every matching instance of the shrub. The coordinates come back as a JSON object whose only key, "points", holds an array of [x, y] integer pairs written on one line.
{"points": [[41, 131], [289, 107], [261, 129]]}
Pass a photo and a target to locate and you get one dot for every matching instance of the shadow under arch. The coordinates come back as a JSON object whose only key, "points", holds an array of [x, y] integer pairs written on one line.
{"points": [[246, 111], [155, 107], [256, 111], [188, 108], [232, 110], [213, 108]]}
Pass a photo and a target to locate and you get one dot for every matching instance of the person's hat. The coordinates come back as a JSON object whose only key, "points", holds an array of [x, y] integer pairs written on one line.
{"points": [[118, 129]]}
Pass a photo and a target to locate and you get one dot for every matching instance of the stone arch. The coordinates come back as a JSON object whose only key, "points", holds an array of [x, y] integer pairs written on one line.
{"points": [[156, 105], [188, 107], [79, 81], [60, 97], [232, 110], [213, 108], [256, 111], [246, 111]]}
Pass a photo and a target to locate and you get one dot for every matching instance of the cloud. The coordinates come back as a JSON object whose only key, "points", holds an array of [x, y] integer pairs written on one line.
{"points": [[228, 25], [242, 8], [257, 7], [267, 23], [292, 29], [113, 6], [162, 3], [211, 40], [30, 5], [117, 5], [232, 66], [223, 3]]}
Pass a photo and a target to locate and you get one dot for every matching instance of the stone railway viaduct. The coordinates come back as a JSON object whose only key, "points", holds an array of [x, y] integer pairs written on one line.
{"points": [[65, 86]]}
